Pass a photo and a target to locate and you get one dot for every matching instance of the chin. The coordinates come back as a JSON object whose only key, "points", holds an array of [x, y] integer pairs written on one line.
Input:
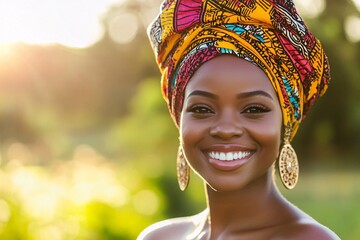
{"points": [[226, 185], [232, 185]]}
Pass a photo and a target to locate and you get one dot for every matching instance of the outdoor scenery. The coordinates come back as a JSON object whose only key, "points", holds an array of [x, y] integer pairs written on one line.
{"points": [[87, 147]]}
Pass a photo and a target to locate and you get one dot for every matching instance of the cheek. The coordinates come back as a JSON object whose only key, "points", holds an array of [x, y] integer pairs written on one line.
{"points": [[192, 134], [190, 131], [269, 134], [185, 131]]}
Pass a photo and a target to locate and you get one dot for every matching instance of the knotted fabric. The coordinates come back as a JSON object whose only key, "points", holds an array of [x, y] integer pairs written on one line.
{"points": [[268, 33]]}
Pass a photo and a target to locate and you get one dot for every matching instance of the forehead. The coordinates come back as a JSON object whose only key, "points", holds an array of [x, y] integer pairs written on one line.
{"points": [[228, 73]]}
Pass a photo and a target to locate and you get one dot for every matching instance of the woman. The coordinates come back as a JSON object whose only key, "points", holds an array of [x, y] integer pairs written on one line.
{"points": [[238, 77]]}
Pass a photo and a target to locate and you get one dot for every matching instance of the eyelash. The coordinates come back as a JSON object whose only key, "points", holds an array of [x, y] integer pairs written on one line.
{"points": [[256, 108], [200, 109], [251, 109]]}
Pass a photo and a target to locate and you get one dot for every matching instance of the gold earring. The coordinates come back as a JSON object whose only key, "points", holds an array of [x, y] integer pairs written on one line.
{"points": [[288, 162], [183, 170]]}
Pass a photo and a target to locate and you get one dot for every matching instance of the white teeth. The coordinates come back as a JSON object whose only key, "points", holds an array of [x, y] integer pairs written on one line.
{"points": [[229, 156]]}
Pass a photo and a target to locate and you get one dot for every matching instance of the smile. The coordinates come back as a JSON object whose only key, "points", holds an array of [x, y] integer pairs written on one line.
{"points": [[229, 156]]}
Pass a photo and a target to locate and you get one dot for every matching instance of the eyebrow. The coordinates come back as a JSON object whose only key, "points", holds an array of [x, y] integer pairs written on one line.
{"points": [[203, 93], [254, 93], [238, 96]]}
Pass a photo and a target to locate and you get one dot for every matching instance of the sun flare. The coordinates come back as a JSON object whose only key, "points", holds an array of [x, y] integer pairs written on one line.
{"points": [[74, 23]]}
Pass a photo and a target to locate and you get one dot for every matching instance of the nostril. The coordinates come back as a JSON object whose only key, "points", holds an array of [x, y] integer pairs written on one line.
{"points": [[227, 124], [226, 131]]}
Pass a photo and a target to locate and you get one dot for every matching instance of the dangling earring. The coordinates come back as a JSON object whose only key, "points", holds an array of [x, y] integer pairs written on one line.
{"points": [[288, 162], [183, 170]]}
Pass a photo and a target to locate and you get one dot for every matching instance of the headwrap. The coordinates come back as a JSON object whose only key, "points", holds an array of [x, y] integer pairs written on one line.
{"points": [[268, 33]]}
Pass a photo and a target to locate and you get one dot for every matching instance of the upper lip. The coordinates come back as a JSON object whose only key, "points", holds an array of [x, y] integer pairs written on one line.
{"points": [[230, 147]]}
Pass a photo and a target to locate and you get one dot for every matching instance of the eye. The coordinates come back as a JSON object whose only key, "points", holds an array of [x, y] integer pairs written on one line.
{"points": [[257, 108], [200, 109]]}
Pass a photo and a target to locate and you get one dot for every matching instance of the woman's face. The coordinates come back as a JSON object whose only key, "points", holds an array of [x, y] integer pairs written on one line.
{"points": [[230, 127]]}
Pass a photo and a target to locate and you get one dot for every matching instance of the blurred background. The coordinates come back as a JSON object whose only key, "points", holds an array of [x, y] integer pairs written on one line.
{"points": [[87, 147]]}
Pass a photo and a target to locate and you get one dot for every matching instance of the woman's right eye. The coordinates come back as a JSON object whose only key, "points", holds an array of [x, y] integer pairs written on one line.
{"points": [[200, 109]]}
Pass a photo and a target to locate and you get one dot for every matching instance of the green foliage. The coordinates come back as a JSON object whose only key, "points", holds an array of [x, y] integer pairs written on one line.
{"points": [[331, 197], [85, 197]]}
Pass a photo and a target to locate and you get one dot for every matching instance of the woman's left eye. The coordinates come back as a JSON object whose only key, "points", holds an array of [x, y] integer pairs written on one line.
{"points": [[256, 109]]}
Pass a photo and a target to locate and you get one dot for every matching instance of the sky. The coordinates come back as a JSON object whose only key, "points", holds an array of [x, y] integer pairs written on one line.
{"points": [[76, 23]]}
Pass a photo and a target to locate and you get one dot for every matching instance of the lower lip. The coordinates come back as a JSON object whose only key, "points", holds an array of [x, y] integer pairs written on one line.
{"points": [[228, 165]]}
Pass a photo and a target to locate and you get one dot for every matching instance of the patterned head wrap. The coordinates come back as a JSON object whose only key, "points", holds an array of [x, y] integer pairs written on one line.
{"points": [[268, 33]]}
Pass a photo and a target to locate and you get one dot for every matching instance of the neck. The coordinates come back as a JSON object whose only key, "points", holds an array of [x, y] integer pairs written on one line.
{"points": [[250, 208]]}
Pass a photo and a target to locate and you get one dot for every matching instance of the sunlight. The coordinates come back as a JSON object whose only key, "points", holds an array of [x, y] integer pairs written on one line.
{"points": [[123, 28], [146, 202], [310, 8], [352, 28], [93, 179], [5, 212], [6, 52], [74, 23], [357, 4], [45, 196]]}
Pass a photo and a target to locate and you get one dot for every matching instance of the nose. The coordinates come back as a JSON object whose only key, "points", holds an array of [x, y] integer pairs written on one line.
{"points": [[227, 127]]}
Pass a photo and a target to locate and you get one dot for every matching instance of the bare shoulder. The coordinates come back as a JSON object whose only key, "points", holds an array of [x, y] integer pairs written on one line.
{"points": [[165, 229], [307, 228], [176, 228]]}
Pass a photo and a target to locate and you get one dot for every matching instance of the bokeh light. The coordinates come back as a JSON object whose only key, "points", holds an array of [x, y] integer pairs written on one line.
{"points": [[310, 8], [357, 4], [146, 202], [123, 27], [352, 27], [55, 197], [5, 211]]}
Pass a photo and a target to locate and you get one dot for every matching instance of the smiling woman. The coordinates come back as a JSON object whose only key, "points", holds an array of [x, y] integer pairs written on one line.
{"points": [[238, 76], [70, 23]]}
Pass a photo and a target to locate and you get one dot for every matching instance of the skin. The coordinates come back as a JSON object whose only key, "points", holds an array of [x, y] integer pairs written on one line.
{"points": [[230, 106]]}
